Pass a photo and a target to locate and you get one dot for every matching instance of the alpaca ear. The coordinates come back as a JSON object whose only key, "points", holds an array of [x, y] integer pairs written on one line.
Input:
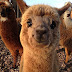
{"points": [[63, 9], [71, 14], [22, 5], [7, 0]]}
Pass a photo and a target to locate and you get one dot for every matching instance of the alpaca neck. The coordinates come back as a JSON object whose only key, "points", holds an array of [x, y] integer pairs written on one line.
{"points": [[38, 60], [8, 29]]}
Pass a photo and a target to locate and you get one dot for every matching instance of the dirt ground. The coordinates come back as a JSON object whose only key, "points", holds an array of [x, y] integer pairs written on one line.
{"points": [[6, 60]]}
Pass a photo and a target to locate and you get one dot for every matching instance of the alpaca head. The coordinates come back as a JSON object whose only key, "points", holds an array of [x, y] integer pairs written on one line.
{"points": [[67, 16], [6, 11], [40, 26]]}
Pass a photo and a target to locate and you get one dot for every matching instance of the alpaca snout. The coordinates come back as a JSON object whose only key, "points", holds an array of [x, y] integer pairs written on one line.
{"points": [[41, 34], [41, 30], [3, 13]]}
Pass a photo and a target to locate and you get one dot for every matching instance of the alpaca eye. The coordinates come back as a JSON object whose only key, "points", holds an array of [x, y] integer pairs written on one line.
{"points": [[68, 15], [29, 23], [53, 25]]}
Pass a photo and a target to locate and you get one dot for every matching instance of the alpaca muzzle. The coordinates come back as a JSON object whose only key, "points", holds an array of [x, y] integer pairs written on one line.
{"points": [[3, 13], [41, 35]]}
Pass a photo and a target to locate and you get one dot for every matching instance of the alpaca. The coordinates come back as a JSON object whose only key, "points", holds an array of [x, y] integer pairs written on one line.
{"points": [[39, 37], [9, 30], [66, 32]]}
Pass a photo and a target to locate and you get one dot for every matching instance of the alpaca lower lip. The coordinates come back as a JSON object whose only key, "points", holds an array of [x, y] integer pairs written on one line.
{"points": [[41, 40]]}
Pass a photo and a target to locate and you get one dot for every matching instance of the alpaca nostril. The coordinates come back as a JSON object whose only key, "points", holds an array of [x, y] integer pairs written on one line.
{"points": [[32, 35], [45, 31], [38, 31]]}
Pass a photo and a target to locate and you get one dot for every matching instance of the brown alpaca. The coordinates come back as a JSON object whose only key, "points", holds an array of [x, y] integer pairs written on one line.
{"points": [[66, 32], [9, 30], [39, 37]]}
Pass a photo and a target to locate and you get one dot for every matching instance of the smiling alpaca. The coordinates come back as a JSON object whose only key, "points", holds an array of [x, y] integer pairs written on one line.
{"points": [[66, 32], [9, 30], [39, 37]]}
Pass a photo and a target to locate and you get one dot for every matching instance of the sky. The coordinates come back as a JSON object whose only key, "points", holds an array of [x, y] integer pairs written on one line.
{"points": [[53, 3]]}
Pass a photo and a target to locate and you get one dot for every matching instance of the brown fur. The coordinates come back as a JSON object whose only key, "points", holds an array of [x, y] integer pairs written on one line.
{"points": [[66, 33], [9, 31], [39, 40], [4, 0], [39, 56], [21, 4]]}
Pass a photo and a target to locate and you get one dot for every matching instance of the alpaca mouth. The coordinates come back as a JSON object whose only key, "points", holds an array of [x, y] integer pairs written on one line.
{"points": [[41, 41], [41, 38]]}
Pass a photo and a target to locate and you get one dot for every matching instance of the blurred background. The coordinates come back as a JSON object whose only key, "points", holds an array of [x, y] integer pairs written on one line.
{"points": [[53, 3]]}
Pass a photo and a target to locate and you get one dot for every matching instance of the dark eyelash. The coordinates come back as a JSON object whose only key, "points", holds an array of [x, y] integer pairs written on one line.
{"points": [[29, 23]]}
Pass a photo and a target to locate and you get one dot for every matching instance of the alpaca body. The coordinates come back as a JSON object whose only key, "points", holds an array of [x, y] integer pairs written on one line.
{"points": [[39, 57], [39, 37], [66, 39], [9, 32], [66, 32]]}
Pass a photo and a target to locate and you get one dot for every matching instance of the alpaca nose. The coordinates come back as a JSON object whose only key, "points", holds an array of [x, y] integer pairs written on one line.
{"points": [[41, 32]]}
